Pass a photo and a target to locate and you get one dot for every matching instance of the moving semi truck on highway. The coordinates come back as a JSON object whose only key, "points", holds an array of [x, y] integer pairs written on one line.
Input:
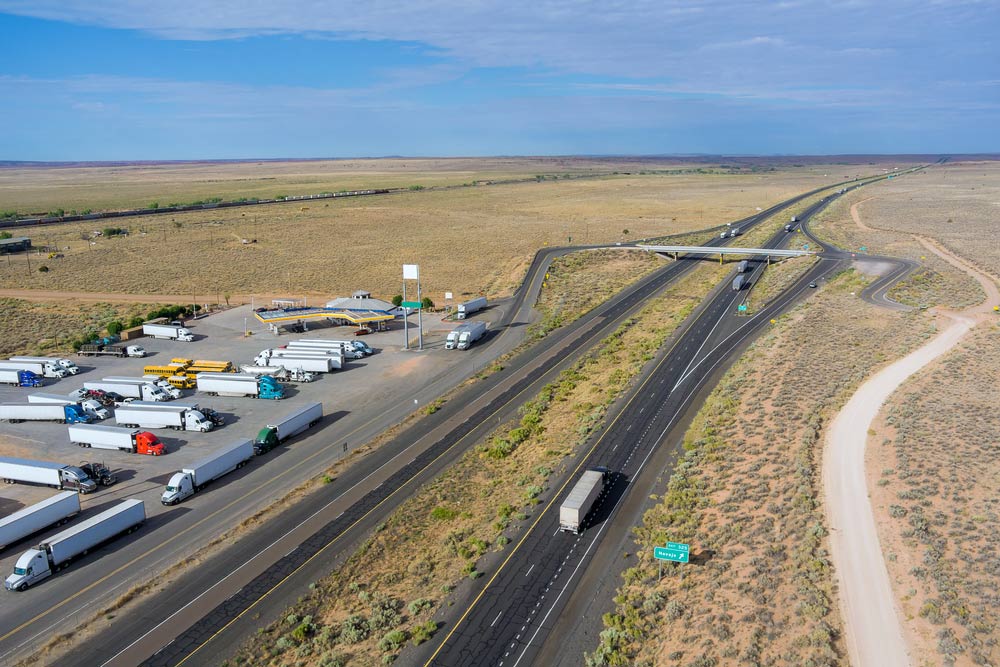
{"points": [[56, 552], [740, 281], [66, 364], [116, 437], [464, 335], [179, 417], [274, 434], [167, 332], [743, 266], [469, 307], [232, 384], [17, 378], [191, 480], [573, 512], [48, 369], [58, 509], [46, 473], [44, 412]]}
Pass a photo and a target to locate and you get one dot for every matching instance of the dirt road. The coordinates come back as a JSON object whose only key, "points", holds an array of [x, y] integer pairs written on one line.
{"points": [[872, 623]]}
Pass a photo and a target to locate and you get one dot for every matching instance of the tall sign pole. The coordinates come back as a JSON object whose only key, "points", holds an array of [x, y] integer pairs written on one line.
{"points": [[412, 272], [406, 320]]}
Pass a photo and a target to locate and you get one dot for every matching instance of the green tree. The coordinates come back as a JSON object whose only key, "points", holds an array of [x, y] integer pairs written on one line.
{"points": [[115, 327], [426, 303], [397, 300]]}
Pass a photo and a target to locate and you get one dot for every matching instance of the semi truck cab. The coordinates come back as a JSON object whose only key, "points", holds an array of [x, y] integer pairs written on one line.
{"points": [[32, 566], [178, 488]]}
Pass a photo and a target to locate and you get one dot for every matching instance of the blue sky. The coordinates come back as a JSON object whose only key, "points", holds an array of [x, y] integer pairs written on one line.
{"points": [[196, 79]]}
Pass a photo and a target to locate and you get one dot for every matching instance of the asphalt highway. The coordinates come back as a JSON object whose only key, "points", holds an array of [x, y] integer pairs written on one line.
{"points": [[208, 610]]}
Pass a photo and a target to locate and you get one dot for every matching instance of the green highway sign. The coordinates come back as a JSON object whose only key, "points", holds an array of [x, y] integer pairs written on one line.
{"points": [[678, 546], [410, 304], [742, 307], [675, 555]]}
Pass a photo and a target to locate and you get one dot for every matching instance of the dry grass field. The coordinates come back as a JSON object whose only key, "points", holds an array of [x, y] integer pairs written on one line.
{"points": [[467, 240], [935, 467], [745, 497], [454, 527]]}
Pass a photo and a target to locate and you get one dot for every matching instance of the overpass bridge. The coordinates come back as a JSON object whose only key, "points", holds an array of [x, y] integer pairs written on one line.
{"points": [[677, 250]]}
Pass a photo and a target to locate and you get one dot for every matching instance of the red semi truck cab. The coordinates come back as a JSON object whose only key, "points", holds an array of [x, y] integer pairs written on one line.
{"points": [[148, 443]]}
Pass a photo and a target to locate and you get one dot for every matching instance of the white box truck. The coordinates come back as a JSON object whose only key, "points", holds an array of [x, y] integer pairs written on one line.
{"points": [[90, 406], [274, 434], [190, 480], [168, 332], [580, 500], [469, 307], [71, 368], [58, 509], [129, 440], [46, 473], [138, 389], [57, 551], [48, 369], [180, 417]]}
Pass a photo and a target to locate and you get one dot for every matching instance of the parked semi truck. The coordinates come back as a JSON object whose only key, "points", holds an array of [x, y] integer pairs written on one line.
{"points": [[171, 390], [129, 440], [44, 412], [280, 373], [276, 433], [180, 417], [232, 384], [573, 512], [168, 332], [343, 348], [316, 362], [464, 335], [469, 307], [140, 390], [20, 378], [740, 281], [168, 390], [99, 349], [46, 369], [69, 366], [211, 415], [193, 479], [58, 509], [90, 406], [338, 354], [57, 551], [56, 475], [319, 342]]}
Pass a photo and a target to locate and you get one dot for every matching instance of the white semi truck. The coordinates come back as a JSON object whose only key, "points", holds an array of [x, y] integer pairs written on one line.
{"points": [[90, 406], [315, 363], [168, 332], [57, 551], [45, 473], [464, 335], [343, 348], [469, 307], [44, 412], [140, 390], [193, 479], [169, 391], [580, 500], [180, 417], [48, 369], [58, 509], [323, 344], [70, 367]]}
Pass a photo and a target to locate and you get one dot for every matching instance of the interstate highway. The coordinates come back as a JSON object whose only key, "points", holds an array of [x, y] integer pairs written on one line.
{"points": [[62, 602]]}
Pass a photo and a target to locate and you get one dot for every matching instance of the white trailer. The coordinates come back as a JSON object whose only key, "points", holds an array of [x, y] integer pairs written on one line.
{"points": [[19, 378], [169, 391], [130, 440], [193, 479], [322, 344], [139, 389], [163, 383], [90, 406], [168, 332], [70, 367], [58, 509], [580, 500], [57, 551], [294, 374], [47, 369], [469, 307], [43, 412], [311, 364], [180, 417], [343, 348], [298, 352], [464, 335], [274, 434], [46, 473], [233, 384]]}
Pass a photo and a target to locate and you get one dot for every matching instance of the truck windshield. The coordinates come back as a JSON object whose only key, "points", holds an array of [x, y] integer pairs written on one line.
{"points": [[171, 489], [20, 571]]}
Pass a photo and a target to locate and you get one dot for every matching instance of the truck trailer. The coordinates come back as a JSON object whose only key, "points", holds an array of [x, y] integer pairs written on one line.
{"points": [[169, 391], [58, 509], [180, 417], [46, 369], [44, 412], [167, 332], [740, 281], [69, 366], [193, 479], [129, 440], [344, 349], [280, 373], [464, 335], [56, 475], [140, 390], [274, 434], [316, 363], [22, 378], [338, 354], [573, 512], [232, 384], [99, 349], [364, 347], [57, 551], [469, 307], [89, 406], [743, 266]]}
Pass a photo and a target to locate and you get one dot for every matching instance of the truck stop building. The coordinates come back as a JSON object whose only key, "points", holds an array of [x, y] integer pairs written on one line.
{"points": [[16, 244]]}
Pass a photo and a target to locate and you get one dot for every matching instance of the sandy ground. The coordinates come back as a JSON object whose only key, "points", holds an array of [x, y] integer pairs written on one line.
{"points": [[113, 297], [873, 621]]}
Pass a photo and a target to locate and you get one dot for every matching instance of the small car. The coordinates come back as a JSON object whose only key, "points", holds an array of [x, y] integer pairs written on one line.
{"points": [[813, 285]]}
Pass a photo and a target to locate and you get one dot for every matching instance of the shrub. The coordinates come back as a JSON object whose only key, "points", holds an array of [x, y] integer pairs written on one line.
{"points": [[384, 614], [419, 605], [43, 269], [354, 629], [392, 640], [443, 513], [423, 632], [115, 327]]}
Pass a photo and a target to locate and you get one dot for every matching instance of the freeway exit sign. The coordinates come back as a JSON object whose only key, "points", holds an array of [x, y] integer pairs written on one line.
{"points": [[677, 552], [410, 304], [742, 307]]}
